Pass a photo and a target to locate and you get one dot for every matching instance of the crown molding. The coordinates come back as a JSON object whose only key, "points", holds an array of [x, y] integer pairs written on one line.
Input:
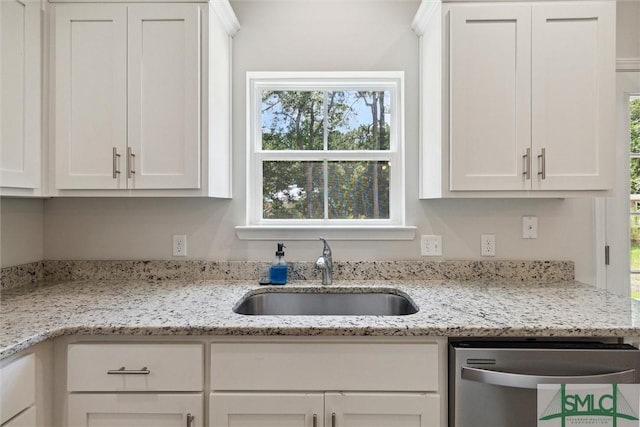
{"points": [[426, 10], [226, 15]]}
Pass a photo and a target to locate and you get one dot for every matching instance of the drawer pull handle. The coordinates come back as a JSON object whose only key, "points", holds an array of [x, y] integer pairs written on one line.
{"points": [[315, 420], [333, 419], [123, 371], [190, 419]]}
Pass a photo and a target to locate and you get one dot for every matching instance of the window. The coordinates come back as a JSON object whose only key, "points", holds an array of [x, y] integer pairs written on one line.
{"points": [[634, 193], [325, 149]]}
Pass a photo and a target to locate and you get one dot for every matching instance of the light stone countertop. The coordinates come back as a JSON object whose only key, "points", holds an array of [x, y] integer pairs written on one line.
{"points": [[35, 313]]}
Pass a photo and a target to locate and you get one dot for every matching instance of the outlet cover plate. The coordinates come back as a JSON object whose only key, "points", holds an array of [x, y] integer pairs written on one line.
{"points": [[488, 245], [179, 245], [431, 245]]}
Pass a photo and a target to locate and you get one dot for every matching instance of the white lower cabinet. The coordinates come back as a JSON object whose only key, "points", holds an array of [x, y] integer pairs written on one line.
{"points": [[135, 385], [256, 382], [135, 410], [327, 383], [266, 409], [18, 391], [324, 409], [382, 409]]}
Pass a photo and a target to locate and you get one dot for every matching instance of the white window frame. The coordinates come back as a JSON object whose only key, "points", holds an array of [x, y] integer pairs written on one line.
{"points": [[259, 228]]}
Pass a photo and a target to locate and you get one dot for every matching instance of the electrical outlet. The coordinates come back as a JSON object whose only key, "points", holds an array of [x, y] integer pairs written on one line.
{"points": [[179, 245], [431, 245], [488, 245]]}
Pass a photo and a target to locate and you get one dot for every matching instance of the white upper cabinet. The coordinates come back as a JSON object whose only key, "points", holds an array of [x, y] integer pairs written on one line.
{"points": [[91, 96], [164, 96], [573, 92], [20, 93], [133, 98], [490, 96], [517, 97]]}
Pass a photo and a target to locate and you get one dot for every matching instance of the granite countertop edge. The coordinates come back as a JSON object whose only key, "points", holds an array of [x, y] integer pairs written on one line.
{"points": [[204, 308]]}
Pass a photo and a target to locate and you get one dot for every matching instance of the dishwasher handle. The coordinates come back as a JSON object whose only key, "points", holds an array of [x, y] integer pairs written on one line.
{"points": [[510, 379]]}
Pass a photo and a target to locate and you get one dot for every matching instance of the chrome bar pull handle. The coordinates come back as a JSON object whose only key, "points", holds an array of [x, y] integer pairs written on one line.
{"points": [[526, 159], [518, 380], [124, 371], [315, 420], [542, 157], [333, 419], [116, 160], [130, 163], [190, 419]]}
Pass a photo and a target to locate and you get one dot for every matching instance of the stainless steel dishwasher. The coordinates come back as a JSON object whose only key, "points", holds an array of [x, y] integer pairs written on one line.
{"points": [[494, 383]]}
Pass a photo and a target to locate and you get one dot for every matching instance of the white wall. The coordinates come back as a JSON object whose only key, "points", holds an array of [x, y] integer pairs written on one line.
{"points": [[628, 25], [21, 231], [316, 35]]}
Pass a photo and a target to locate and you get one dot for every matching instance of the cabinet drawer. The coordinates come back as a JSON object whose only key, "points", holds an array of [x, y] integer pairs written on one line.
{"points": [[324, 366], [135, 367], [17, 386]]}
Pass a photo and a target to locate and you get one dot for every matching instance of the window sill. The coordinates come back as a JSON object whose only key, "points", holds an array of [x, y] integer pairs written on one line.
{"points": [[334, 232]]}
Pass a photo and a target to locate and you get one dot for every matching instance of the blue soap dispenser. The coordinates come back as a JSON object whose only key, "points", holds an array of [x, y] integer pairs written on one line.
{"points": [[279, 269]]}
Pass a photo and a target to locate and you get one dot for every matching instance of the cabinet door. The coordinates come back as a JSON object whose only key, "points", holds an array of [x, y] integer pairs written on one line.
{"points": [[573, 94], [135, 410], [164, 96], [490, 98], [25, 419], [20, 74], [382, 410], [18, 386], [266, 410], [90, 95]]}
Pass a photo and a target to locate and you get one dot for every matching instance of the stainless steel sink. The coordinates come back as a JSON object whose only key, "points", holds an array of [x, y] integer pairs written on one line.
{"points": [[326, 303]]}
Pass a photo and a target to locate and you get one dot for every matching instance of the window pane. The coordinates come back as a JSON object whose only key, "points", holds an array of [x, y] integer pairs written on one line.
{"points": [[634, 122], [635, 242], [634, 204], [359, 120], [359, 190], [292, 120], [635, 286], [634, 169], [292, 190]]}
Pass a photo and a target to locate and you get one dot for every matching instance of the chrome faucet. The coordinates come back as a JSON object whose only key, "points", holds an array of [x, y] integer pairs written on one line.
{"points": [[325, 263]]}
